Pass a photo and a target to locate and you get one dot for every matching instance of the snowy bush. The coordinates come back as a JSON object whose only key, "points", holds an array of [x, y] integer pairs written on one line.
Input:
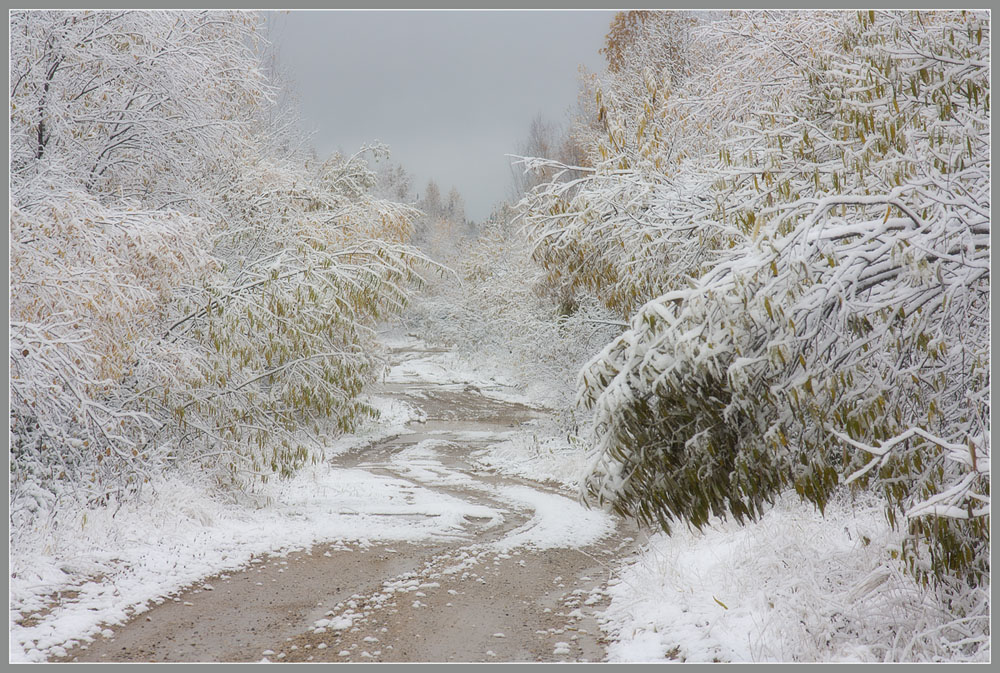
{"points": [[795, 586], [187, 289], [810, 296]]}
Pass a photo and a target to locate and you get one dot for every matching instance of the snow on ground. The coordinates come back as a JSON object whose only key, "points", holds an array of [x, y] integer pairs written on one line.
{"points": [[795, 586], [556, 521], [452, 368], [537, 454], [541, 452], [420, 462], [112, 563]]}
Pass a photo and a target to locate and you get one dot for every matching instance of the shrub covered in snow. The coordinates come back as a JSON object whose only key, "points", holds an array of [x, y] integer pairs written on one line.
{"points": [[796, 217], [185, 288]]}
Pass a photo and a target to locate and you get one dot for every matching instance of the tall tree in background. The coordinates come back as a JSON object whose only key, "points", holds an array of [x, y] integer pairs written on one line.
{"points": [[442, 226], [454, 209], [394, 183], [431, 203], [549, 140]]}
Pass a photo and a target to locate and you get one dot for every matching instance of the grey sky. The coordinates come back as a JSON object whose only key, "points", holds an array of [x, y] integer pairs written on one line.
{"points": [[449, 92]]}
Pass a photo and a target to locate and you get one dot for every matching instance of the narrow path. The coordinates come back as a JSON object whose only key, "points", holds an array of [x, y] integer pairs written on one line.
{"points": [[519, 579]]}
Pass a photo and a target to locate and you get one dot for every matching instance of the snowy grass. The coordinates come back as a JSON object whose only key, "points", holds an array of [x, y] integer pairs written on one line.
{"points": [[795, 586]]}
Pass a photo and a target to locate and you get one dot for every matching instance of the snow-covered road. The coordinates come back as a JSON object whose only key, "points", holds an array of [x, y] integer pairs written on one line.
{"points": [[440, 557]]}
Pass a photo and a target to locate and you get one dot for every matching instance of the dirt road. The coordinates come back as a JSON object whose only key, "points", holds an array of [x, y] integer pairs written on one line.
{"points": [[518, 586]]}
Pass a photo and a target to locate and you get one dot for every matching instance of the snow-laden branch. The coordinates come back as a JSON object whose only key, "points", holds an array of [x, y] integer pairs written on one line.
{"points": [[185, 288], [806, 268]]}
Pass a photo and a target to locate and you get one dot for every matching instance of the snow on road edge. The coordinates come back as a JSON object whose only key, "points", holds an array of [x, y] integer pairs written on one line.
{"points": [[114, 563]]}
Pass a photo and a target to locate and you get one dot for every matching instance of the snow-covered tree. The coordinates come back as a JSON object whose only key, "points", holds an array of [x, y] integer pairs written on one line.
{"points": [[187, 286], [285, 329], [131, 104], [114, 116], [798, 223], [548, 140], [454, 209], [394, 183], [441, 228]]}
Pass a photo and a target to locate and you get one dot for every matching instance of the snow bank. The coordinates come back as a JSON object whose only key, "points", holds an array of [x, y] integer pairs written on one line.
{"points": [[556, 521], [795, 586], [541, 456]]}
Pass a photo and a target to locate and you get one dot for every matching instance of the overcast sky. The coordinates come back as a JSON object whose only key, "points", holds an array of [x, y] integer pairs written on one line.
{"points": [[450, 92]]}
